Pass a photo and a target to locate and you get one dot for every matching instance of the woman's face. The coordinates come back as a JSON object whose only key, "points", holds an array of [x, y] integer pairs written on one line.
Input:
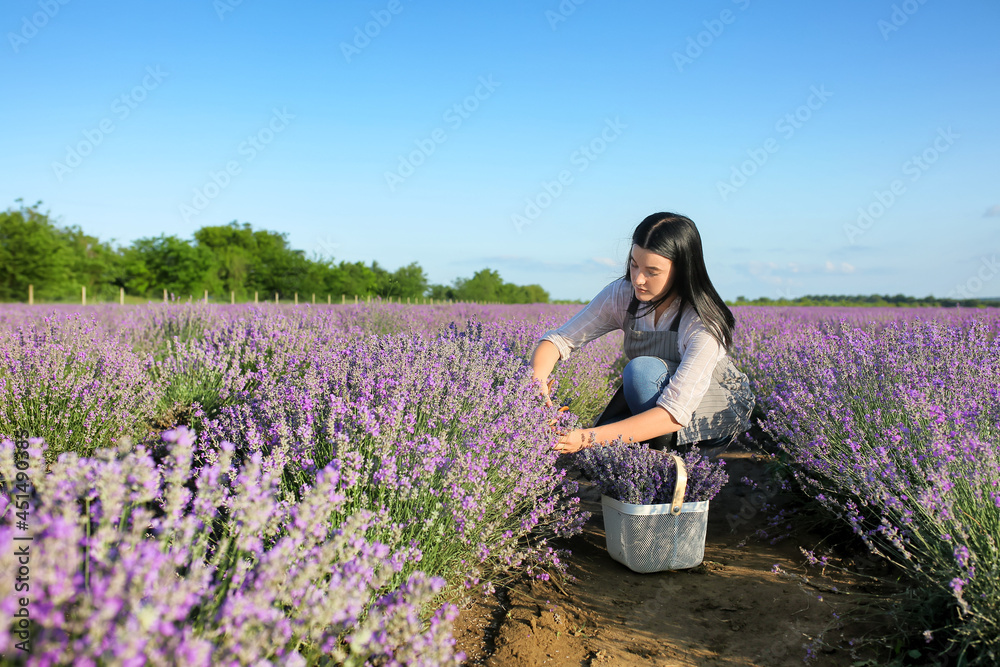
{"points": [[652, 275]]}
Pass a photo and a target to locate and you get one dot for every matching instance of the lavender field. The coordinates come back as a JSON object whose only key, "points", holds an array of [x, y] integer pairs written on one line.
{"points": [[216, 485]]}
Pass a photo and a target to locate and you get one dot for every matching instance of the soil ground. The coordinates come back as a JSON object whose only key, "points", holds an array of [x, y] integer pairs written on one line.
{"points": [[733, 610]]}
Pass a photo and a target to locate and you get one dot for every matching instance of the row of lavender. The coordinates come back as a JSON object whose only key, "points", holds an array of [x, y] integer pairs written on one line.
{"points": [[889, 417], [894, 426], [350, 471]]}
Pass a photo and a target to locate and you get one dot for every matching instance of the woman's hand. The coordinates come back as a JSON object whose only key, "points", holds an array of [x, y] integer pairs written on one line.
{"points": [[546, 388], [573, 441]]}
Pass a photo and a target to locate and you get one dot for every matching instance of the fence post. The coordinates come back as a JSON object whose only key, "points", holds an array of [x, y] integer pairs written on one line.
{"points": [[31, 294], [164, 295], [121, 296], [314, 298], [206, 297], [276, 298], [232, 297], [255, 298], [83, 295], [296, 298]]}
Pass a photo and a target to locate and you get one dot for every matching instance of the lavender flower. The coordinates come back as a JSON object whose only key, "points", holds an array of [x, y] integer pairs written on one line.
{"points": [[634, 473]]}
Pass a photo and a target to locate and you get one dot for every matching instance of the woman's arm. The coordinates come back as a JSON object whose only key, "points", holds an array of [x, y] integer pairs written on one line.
{"points": [[639, 428], [542, 362], [601, 315]]}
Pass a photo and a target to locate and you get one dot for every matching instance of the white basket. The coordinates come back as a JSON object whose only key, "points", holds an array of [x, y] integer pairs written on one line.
{"points": [[653, 538]]}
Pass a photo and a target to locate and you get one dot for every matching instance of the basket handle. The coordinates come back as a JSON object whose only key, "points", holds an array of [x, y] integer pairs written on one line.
{"points": [[680, 487]]}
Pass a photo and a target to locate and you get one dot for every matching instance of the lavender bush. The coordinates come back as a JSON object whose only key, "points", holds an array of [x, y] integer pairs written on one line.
{"points": [[895, 427], [380, 460], [633, 473], [372, 476], [446, 432], [171, 565], [63, 379]]}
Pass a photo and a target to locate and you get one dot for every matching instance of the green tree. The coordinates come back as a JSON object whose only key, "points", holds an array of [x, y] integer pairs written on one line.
{"points": [[93, 264], [350, 278], [33, 251], [484, 285], [441, 292], [234, 249], [277, 268], [408, 281], [177, 265], [536, 294]]}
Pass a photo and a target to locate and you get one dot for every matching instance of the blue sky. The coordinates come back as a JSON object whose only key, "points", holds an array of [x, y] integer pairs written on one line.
{"points": [[441, 135]]}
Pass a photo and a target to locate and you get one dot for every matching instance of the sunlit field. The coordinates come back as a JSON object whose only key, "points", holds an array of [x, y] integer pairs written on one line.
{"points": [[213, 484]]}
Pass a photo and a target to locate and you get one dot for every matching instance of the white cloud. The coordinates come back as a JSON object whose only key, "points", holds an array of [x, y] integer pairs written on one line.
{"points": [[844, 267], [606, 261]]}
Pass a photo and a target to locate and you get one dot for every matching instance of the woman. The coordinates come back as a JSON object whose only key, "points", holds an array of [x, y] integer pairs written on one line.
{"points": [[679, 387]]}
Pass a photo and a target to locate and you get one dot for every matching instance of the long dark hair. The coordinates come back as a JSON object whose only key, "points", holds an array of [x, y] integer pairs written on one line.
{"points": [[675, 237]]}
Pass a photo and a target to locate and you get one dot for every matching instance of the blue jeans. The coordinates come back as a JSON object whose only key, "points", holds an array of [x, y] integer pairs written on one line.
{"points": [[643, 380]]}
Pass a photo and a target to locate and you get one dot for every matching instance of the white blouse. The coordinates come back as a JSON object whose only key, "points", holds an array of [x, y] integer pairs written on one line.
{"points": [[700, 351]]}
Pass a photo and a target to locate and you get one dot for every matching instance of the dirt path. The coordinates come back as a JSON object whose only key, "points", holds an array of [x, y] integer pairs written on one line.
{"points": [[733, 610]]}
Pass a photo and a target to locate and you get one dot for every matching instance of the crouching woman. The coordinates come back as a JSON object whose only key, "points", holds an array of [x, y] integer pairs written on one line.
{"points": [[680, 387]]}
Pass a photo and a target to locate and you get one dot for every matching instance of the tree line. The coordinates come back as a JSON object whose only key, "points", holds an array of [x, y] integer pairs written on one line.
{"points": [[223, 260]]}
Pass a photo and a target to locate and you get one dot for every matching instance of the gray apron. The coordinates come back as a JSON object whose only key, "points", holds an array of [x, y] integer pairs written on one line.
{"points": [[723, 412]]}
